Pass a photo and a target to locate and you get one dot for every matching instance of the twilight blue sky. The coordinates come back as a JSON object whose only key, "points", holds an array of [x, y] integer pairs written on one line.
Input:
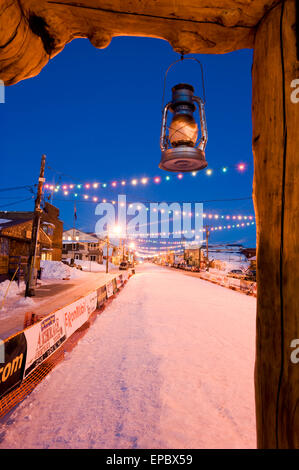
{"points": [[96, 114]]}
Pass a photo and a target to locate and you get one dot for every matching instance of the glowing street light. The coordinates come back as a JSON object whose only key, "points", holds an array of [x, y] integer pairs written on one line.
{"points": [[117, 230]]}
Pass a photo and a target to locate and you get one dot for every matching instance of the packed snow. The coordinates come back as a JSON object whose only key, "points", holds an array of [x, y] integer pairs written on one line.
{"points": [[60, 285], [59, 270], [4, 222], [12, 299], [168, 364], [10, 289], [93, 266]]}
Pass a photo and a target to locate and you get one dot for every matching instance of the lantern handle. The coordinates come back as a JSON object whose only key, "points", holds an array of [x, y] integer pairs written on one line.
{"points": [[203, 123], [180, 60], [163, 141]]}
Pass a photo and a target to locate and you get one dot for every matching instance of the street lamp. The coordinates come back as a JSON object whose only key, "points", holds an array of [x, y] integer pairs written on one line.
{"points": [[132, 246], [117, 230], [180, 147], [119, 233]]}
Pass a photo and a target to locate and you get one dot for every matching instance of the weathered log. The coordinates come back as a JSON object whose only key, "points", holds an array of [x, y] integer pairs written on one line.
{"points": [[34, 31], [276, 198]]}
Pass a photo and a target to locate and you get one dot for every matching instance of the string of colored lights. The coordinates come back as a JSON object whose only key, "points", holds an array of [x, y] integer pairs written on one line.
{"points": [[67, 187], [185, 232], [182, 232], [162, 211]]}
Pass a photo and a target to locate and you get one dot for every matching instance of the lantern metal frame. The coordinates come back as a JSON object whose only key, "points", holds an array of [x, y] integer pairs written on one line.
{"points": [[184, 158]]}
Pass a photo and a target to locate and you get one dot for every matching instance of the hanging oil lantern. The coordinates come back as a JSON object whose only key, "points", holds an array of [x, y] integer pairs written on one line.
{"points": [[181, 149]]}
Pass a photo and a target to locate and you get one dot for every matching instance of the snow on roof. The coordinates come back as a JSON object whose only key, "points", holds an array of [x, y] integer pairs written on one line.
{"points": [[78, 241], [4, 221], [10, 223], [48, 223]]}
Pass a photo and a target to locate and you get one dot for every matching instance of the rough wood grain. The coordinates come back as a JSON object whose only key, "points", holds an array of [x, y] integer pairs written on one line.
{"points": [[34, 31], [276, 196]]}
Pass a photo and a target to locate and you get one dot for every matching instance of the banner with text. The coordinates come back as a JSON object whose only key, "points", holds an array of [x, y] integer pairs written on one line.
{"points": [[77, 313], [12, 369], [43, 339]]}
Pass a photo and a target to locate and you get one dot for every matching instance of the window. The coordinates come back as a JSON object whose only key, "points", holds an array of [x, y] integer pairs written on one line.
{"points": [[92, 258], [92, 245], [46, 256]]}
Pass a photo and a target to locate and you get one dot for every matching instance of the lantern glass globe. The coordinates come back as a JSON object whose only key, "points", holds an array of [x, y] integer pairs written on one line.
{"points": [[183, 131]]}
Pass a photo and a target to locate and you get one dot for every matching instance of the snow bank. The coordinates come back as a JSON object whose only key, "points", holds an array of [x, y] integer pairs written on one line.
{"points": [[243, 265], [229, 261], [14, 289], [92, 266], [59, 270]]}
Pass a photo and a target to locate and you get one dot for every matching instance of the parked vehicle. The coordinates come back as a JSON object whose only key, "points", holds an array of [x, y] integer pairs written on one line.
{"points": [[181, 265], [123, 265], [72, 264], [250, 275], [188, 267], [195, 269], [235, 273]]}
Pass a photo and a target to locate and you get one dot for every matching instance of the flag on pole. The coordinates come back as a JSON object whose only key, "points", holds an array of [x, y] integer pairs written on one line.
{"points": [[75, 212]]}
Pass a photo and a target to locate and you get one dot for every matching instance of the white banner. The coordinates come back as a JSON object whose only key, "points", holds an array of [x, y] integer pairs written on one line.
{"points": [[46, 336], [109, 289], [77, 313], [43, 339], [234, 282]]}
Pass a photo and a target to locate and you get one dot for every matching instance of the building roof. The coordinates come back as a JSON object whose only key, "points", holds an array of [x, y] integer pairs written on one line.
{"points": [[17, 215], [89, 237], [6, 223]]}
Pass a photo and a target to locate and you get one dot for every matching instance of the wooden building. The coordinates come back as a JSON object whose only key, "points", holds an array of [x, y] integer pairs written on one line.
{"points": [[15, 238], [82, 246], [194, 256]]}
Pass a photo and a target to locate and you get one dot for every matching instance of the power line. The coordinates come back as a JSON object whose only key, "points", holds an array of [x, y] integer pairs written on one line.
{"points": [[17, 202], [28, 187]]}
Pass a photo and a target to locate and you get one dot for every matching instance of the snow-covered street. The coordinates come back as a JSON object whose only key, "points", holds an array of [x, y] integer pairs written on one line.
{"points": [[168, 364]]}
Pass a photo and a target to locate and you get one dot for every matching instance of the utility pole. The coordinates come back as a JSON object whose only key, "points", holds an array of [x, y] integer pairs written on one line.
{"points": [[123, 249], [207, 227], [107, 253], [29, 292], [75, 217]]}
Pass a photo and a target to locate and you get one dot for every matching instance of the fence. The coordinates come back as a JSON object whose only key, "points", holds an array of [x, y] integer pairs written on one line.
{"points": [[247, 287], [32, 353]]}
